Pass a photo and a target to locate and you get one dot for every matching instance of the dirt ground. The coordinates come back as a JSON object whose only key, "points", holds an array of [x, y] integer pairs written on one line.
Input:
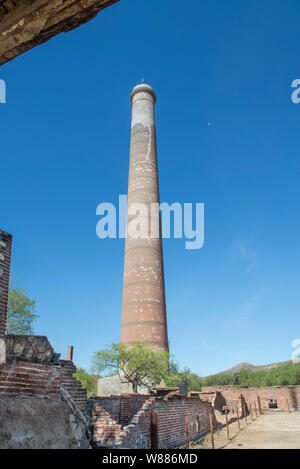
{"points": [[272, 430]]}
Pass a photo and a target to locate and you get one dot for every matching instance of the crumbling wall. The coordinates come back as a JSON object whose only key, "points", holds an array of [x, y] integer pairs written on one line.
{"points": [[129, 406], [112, 415], [41, 404], [282, 394], [172, 416], [115, 425], [21, 377], [39, 423], [216, 399], [110, 431], [121, 408], [219, 401], [32, 367]]}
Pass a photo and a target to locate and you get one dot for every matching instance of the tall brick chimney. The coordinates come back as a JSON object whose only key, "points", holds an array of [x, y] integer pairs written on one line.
{"points": [[5, 256], [144, 307]]}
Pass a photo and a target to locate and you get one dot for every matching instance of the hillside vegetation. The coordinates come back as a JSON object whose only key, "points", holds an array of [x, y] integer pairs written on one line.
{"points": [[282, 375]]}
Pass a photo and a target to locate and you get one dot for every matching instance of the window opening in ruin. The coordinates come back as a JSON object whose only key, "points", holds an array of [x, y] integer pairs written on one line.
{"points": [[273, 404]]}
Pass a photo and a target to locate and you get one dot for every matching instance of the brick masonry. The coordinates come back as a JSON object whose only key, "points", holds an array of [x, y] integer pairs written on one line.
{"points": [[124, 421], [5, 259], [282, 394], [144, 306], [32, 368], [33, 379], [216, 399]]}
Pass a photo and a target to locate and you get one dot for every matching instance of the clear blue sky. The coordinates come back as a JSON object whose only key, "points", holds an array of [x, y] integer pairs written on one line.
{"points": [[65, 134]]}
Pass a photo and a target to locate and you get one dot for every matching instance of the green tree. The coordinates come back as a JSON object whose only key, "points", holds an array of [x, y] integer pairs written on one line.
{"points": [[139, 365], [220, 379], [21, 312], [88, 381], [176, 376], [244, 377]]}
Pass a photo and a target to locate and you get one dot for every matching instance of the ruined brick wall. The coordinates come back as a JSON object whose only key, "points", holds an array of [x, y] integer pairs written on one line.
{"points": [[111, 404], [129, 406], [110, 415], [72, 385], [41, 404], [120, 408], [21, 377], [281, 394], [294, 392], [137, 434], [32, 368], [5, 258], [111, 431], [218, 401], [171, 419]]}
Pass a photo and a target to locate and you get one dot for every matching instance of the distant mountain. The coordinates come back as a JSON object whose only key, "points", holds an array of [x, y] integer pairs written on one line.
{"points": [[248, 366]]}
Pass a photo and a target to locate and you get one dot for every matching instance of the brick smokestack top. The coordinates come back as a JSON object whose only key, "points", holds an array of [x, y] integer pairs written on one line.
{"points": [[144, 306], [5, 256]]}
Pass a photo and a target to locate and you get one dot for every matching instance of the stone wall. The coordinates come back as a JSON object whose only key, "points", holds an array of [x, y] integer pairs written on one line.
{"points": [[113, 385], [282, 394], [39, 423], [124, 421]]}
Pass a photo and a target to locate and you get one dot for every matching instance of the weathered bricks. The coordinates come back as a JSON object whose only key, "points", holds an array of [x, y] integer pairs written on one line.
{"points": [[5, 258], [144, 306], [279, 393], [124, 421], [20, 375]]}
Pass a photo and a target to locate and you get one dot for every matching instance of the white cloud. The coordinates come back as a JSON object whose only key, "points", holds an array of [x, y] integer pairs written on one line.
{"points": [[244, 250]]}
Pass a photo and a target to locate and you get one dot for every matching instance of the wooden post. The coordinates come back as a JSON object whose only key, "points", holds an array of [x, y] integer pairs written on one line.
{"points": [[255, 409], [245, 414], [198, 424], [259, 405], [250, 411], [187, 433], [288, 406], [227, 429], [212, 430], [238, 417], [70, 353], [153, 430]]}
